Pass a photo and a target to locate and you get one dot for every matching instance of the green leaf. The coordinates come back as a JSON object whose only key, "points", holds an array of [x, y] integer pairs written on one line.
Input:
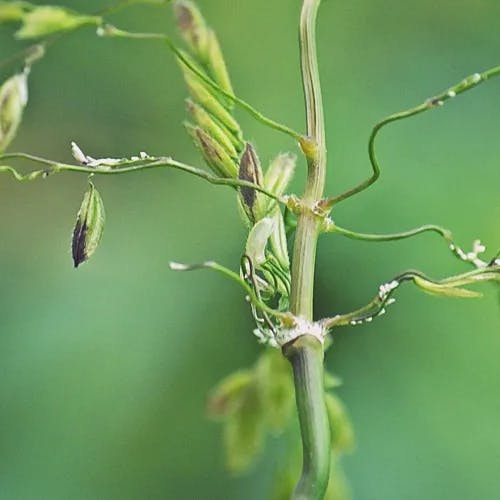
{"points": [[46, 20], [227, 396], [342, 433], [13, 99], [89, 226], [244, 431], [274, 379]]}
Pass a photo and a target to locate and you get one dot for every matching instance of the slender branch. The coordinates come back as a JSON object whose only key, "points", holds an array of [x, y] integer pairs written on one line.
{"points": [[450, 287], [445, 233], [113, 32], [41, 46], [133, 166], [259, 304], [471, 257], [306, 352], [432, 103]]}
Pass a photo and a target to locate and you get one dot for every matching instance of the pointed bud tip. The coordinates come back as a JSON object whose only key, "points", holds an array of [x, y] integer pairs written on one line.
{"points": [[177, 266]]}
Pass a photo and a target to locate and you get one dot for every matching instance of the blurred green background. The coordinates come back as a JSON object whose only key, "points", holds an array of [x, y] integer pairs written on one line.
{"points": [[105, 370]]}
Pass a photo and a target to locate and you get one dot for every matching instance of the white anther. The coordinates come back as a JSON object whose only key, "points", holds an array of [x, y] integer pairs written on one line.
{"points": [[78, 154], [476, 78]]}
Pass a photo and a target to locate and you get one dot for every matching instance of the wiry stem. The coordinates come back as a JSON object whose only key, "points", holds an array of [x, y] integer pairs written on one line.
{"points": [[113, 32], [466, 84], [128, 166], [306, 353]]}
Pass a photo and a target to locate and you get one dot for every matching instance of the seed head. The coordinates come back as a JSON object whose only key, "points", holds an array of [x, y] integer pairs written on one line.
{"points": [[89, 226]]}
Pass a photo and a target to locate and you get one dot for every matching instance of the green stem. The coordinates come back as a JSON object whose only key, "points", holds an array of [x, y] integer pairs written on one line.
{"points": [[445, 233], [437, 101], [306, 353], [306, 357], [113, 32], [128, 166]]}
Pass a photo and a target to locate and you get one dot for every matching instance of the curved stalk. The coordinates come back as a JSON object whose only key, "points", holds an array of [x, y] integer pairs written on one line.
{"points": [[306, 353]]}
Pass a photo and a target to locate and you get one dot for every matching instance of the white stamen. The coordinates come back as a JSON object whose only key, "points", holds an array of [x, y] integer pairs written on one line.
{"points": [[177, 266], [78, 154]]}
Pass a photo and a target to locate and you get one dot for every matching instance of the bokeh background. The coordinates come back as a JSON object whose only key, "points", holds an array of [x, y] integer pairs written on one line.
{"points": [[104, 371]]}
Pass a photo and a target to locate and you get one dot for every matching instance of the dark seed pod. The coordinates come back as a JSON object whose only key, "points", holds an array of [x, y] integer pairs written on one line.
{"points": [[89, 226], [250, 171]]}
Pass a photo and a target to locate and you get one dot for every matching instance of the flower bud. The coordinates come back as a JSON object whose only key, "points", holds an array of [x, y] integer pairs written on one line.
{"points": [[206, 121], [258, 239], [218, 68], [89, 226], [213, 153], [13, 99], [250, 171], [203, 95], [11, 11], [46, 20], [278, 239], [193, 28], [280, 173]]}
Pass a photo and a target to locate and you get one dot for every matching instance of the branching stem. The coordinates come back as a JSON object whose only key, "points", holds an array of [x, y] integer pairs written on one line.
{"points": [[130, 166], [113, 32], [306, 352]]}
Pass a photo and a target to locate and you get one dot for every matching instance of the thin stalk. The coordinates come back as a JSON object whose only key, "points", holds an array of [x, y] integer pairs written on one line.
{"points": [[128, 166], [306, 353], [437, 101]]}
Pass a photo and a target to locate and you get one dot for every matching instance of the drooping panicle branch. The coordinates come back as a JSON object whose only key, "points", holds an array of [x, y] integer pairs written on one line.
{"points": [[448, 287], [434, 102]]}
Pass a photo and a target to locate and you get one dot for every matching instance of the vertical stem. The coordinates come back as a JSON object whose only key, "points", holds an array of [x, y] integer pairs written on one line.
{"points": [[306, 353], [306, 357]]}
